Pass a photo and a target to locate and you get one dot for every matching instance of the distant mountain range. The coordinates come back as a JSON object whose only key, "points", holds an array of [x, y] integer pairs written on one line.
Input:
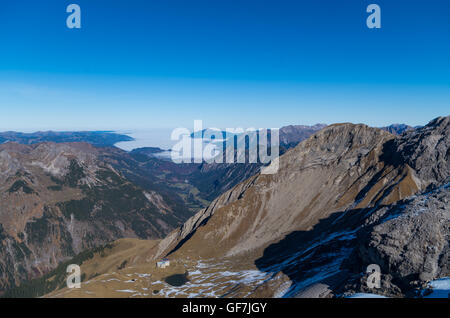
{"points": [[289, 136], [96, 138], [345, 196], [398, 129]]}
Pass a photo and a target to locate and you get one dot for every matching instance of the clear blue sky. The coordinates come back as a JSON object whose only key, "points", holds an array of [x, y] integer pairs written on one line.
{"points": [[232, 63]]}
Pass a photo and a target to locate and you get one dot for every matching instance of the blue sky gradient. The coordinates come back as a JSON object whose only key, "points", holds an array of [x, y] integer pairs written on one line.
{"points": [[232, 63]]}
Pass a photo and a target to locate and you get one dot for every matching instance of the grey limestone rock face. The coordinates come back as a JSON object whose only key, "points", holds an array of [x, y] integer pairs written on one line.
{"points": [[409, 240], [427, 151]]}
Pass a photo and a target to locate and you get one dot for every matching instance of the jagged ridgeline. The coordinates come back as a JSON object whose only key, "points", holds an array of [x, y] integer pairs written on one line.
{"points": [[346, 197], [59, 199]]}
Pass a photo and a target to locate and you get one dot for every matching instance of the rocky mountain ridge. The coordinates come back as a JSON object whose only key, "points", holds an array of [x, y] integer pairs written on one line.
{"points": [[347, 197], [336, 178]]}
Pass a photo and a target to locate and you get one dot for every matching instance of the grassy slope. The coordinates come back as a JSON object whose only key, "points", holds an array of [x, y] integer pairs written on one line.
{"points": [[93, 262]]}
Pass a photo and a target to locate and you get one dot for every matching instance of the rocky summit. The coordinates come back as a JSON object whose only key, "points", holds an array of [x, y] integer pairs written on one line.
{"points": [[347, 197]]}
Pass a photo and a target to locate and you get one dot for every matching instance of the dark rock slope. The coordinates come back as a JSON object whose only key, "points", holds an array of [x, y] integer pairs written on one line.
{"points": [[409, 240]]}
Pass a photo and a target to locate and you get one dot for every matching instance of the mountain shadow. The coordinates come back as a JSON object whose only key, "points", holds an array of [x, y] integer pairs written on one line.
{"points": [[313, 256]]}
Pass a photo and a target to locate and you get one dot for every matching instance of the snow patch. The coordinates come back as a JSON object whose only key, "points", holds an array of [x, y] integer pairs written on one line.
{"points": [[440, 288], [365, 295]]}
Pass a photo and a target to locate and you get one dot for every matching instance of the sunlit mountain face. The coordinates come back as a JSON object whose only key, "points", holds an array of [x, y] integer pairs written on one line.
{"points": [[346, 197]]}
